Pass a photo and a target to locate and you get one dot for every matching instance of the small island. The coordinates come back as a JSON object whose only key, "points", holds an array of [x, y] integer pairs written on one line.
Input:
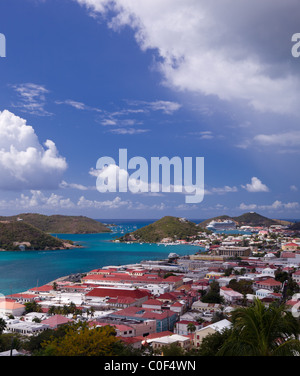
{"points": [[166, 229]]}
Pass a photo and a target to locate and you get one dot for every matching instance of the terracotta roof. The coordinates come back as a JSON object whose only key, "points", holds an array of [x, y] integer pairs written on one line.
{"points": [[56, 320], [154, 302], [113, 293], [5, 304], [269, 282], [42, 288]]}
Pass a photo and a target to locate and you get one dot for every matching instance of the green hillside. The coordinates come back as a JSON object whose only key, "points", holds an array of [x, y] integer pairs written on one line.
{"points": [[295, 226], [13, 233], [254, 219], [61, 224], [246, 219], [166, 227]]}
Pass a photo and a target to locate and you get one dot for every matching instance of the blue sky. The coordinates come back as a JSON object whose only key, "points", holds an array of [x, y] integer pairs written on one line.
{"points": [[84, 78]]}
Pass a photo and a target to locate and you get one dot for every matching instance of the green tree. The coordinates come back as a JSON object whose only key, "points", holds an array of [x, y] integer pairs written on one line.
{"points": [[262, 331], [191, 327], [80, 340], [2, 325]]}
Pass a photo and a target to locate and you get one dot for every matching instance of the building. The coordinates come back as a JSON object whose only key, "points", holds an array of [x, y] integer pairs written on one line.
{"points": [[141, 328], [118, 298], [210, 329], [268, 284], [206, 307], [229, 295], [182, 341], [296, 276], [13, 308], [55, 321], [165, 319], [182, 327], [290, 247], [25, 328], [231, 251]]}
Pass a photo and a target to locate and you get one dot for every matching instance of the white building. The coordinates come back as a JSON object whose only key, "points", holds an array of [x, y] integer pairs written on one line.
{"points": [[25, 328], [262, 293], [230, 295], [11, 308]]}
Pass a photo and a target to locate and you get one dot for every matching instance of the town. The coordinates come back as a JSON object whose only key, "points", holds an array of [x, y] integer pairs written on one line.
{"points": [[155, 305]]}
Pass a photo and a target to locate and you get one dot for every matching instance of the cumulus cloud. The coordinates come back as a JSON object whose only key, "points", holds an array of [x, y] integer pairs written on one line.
{"points": [[24, 162], [279, 139], [216, 48], [277, 205], [256, 186]]}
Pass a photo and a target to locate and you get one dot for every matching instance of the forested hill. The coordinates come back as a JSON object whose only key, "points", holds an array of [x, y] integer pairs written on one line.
{"points": [[247, 219], [14, 234], [60, 224], [172, 228]]}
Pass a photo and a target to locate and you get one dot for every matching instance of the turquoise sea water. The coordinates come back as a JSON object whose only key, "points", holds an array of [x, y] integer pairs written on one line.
{"points": [[20, 271]]}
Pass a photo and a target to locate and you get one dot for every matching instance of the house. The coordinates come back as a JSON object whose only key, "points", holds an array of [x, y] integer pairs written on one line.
{"points": [[263, 293], [296, 276], [13, 308], [55, 321], [114, 296], [182, 327], [182, 341], [210, 329], [230, 295], [23, 298], [135, 342], [291, 246], [268, 284], [153, 304], [165, 319], [25, 328], [206, 307], [177, 307]]}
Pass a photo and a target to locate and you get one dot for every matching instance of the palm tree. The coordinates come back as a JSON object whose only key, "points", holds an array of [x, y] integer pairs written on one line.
{"points": [[191, 327], [262, 331]]}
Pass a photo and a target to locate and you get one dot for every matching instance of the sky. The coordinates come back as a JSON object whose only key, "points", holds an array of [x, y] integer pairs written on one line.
{"points": [[84, 79]]}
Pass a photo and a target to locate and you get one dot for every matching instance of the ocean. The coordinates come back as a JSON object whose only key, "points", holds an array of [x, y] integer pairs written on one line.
{"points": [[21, 270]]}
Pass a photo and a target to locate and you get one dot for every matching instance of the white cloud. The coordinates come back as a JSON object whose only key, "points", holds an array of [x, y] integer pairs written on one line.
{"points": [[256, 186], [24, 162], [279, 139], [276, 206], [32, 98], [78, 105], [116, 203], [223, 190], [128, 131], [215, 48], [37, 201], [79, 187], [293, 188], [166, 107]]}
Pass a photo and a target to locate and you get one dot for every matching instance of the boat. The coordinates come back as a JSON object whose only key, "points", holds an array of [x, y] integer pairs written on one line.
{"points": [[221, 225]]}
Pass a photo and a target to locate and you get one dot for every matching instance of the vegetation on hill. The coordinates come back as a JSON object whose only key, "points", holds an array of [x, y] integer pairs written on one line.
{"points": [[16, 233], [60, 224], [295, 226], [172, 228], [246, 219]]}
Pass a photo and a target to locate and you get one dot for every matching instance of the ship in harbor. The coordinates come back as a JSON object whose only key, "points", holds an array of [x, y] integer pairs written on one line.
{"points": [[221, 225]]}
